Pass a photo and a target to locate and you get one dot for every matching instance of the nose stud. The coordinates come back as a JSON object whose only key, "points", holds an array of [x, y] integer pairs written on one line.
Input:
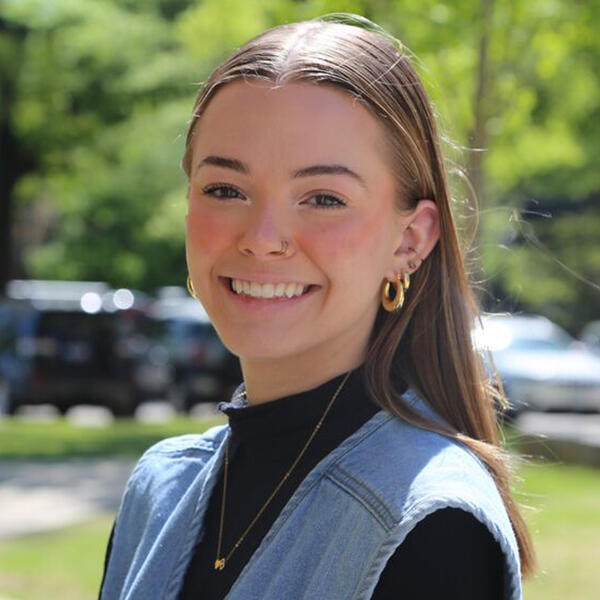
{"points": [[284, 248]]}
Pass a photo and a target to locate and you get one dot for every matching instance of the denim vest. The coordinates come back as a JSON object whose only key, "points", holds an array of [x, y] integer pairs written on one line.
{"points": [[335, 534]]}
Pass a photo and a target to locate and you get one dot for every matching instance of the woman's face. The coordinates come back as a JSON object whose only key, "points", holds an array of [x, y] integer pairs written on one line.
{"points": [[305, 164]]}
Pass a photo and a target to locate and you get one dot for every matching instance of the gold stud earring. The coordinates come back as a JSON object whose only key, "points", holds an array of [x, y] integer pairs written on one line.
{"points": [[411, 264]]}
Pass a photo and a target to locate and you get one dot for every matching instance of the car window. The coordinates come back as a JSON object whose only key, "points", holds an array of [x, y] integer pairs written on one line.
{"points": [[76, 326]]}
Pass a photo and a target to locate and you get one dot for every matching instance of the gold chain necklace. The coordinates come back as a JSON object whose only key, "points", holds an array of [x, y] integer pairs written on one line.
{"points": [[220, 562]]}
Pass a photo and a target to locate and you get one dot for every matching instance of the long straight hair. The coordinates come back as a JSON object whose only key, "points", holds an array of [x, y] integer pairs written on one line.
{"points": [[428, 343]]}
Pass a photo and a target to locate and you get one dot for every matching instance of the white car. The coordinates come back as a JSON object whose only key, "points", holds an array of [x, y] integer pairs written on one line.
{"points": [[541, 366], [590, 335]]}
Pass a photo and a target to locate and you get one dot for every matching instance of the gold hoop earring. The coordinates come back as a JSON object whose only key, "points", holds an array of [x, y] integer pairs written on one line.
{"points": [[401, 284], [190, 287]]}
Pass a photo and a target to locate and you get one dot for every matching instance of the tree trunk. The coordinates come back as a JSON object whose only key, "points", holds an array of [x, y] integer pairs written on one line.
{"points": [[478, 136], [12, 162]]}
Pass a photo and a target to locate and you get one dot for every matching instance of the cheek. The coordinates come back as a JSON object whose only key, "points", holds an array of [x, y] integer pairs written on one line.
{"points": [[205, 234], [347, 246]]}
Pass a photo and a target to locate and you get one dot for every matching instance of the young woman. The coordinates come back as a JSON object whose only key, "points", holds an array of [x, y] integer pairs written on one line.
{"points": [[361, 458]]}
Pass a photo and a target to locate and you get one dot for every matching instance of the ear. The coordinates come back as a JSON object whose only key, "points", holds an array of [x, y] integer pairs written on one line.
{"points": [[420, 233]]}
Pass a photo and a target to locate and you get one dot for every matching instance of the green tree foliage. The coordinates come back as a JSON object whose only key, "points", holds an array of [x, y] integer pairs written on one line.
{"points": [[102, 105], [104, 89]]}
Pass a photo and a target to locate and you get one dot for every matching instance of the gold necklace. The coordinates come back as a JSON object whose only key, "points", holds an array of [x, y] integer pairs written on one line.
{"points": [[220, 562]]}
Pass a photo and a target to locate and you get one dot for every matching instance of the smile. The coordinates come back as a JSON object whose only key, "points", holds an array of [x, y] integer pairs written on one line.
{"points": [[254, 295], [267, 290]]}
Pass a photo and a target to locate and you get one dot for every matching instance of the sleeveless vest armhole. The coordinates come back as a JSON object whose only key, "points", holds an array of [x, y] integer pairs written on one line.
{"points": [[163, 474], [427, 506]]}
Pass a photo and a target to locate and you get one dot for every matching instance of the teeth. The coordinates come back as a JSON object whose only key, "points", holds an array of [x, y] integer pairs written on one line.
{"points": [[267, 290], [292, 290]]}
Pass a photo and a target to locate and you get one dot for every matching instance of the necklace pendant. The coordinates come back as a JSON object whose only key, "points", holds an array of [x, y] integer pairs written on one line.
{"points": [[220, 564]]}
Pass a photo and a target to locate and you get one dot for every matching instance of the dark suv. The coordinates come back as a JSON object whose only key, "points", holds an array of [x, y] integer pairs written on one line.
{"points": [[203, 369], [61, 343]]}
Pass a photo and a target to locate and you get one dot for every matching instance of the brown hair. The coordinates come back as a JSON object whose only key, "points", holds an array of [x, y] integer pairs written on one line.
{"points": [[429, 342]]}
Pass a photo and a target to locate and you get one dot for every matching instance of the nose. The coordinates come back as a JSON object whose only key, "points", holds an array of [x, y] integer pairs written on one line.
{"points": [[266, 236]]}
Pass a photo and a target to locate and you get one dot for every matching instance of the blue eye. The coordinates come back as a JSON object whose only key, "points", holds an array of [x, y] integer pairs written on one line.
{"points": [[327, 201], [222, 190]]}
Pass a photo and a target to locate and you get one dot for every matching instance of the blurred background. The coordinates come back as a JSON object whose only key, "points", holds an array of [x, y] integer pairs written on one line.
{"points": [[102, 352]]}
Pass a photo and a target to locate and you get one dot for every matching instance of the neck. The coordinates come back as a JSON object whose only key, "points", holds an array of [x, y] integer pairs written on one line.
{"points": [[277, 378]]}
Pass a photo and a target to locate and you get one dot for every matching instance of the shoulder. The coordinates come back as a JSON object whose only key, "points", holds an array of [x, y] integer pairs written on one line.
{"points": [[406, 465], [176, 460], [411, 472], [404, 474], [159, 500], [188, 444], [409, 466]]}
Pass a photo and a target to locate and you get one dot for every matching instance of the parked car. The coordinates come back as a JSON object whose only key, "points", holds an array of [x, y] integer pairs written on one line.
{"points": [[590, 335], [203, 368], [541, 366], [68, 343]]}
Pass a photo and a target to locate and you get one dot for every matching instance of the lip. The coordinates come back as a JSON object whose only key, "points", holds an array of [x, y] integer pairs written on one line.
{"points": [[249, 302]]}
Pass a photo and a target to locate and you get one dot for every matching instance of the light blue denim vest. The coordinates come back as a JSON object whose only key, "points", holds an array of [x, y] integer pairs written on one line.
{"points": [[336, 533]]}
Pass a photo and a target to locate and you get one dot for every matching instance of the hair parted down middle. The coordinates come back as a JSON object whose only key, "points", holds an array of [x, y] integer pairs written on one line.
{"points": [[429, 342]]}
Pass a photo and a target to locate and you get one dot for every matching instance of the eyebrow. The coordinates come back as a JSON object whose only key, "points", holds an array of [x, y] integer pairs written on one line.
{"points": [[240, 167]]}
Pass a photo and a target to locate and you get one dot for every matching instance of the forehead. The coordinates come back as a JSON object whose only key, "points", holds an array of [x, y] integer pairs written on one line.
{"points": [[294, 122]]}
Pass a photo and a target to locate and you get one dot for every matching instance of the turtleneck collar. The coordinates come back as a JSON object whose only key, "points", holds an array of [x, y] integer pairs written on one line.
{"points": [[301, 410]]}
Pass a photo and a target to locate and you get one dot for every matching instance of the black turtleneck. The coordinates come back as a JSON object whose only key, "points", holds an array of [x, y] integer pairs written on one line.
{"points": [[449, 554]]}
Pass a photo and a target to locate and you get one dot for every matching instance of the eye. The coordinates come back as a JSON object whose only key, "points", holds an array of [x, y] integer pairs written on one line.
{"points": [[326, 201], [222, 190]]}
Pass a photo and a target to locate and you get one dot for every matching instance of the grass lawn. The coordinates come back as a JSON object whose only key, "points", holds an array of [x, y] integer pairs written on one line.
{"points": [[65, 564], [565, 520], [566, 527], [22, 439]]}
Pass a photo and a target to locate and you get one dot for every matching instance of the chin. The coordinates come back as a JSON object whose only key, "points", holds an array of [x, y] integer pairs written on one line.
{"points": [[259, 348]]}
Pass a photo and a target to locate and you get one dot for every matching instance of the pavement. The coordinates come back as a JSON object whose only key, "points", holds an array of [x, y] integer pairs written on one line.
{"points": [[583, 428], [42, 495], [38, 496], [560, 437]]}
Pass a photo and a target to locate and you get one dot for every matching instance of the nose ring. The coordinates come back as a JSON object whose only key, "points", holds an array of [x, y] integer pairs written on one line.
{"points": [[284, 248]]}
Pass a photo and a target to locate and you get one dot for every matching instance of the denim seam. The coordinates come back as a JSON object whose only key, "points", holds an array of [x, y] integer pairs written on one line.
{"points": [[410, 520], [175, 578], [320, 471], [198, 447], [364, 494], [179, 452], [316, 475]]}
